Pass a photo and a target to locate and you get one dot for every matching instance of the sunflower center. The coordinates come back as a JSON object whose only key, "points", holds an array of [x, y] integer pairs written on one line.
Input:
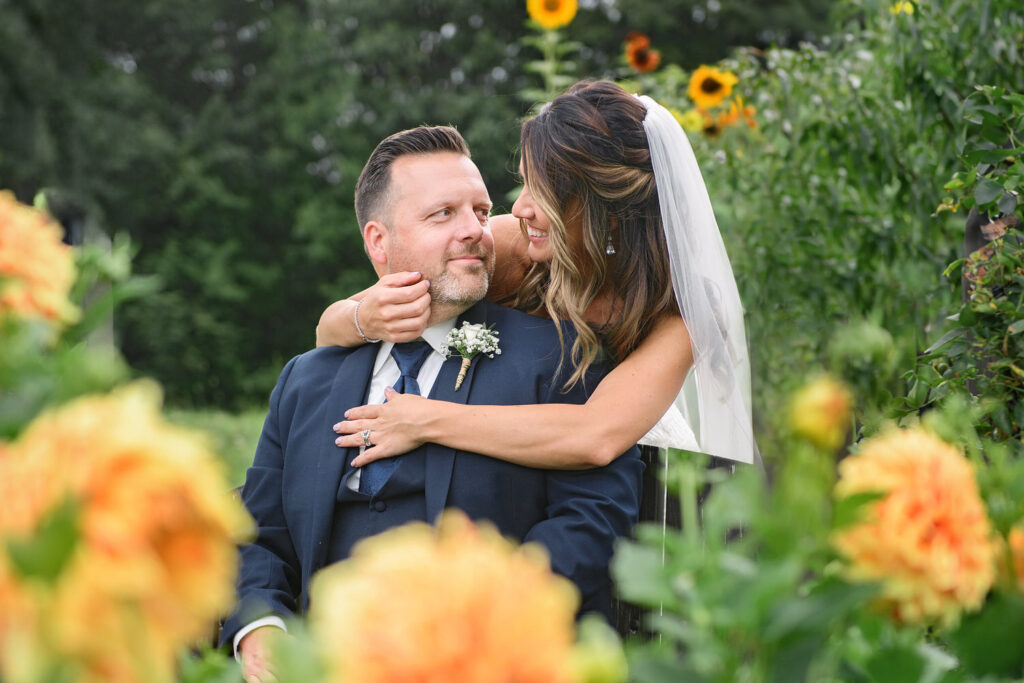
{"points": [[552, 5], [710, 86]]}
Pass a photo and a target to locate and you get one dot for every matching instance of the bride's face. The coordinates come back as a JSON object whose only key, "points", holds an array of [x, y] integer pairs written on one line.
{"points": [[538, 226]]}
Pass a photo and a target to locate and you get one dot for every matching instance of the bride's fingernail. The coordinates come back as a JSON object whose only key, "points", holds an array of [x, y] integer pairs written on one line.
{"points": [[346, 414], [337, 427], [337, 442]]}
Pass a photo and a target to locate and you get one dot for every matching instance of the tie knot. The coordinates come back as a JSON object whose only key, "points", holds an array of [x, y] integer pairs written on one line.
{"points": [[410, 356]]}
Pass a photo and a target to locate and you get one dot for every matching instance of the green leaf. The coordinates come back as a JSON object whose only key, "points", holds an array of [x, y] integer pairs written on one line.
{"points": [[1017, 327], [987, 191], [850, 508], [45, 554], [1007, 203], [989, 642], [640, 575], [987, 156], [896, 665]]}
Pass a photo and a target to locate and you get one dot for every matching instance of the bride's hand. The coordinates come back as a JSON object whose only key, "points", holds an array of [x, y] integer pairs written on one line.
{"points": [[393, 426], [396, 308]]}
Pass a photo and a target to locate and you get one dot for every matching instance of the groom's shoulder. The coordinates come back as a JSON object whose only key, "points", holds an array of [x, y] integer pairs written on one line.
{"points": [[514, 321], [314, 366]]}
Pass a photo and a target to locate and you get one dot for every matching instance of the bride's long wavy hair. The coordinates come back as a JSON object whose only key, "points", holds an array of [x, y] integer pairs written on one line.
{"points": [[586, 159]]}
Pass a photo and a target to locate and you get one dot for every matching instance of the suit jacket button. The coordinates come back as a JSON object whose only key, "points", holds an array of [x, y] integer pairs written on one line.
{"points": [[380, 506]]}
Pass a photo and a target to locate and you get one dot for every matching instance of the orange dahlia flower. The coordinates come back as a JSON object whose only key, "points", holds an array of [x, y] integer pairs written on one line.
{"points": [[928, 540], [552, 14], [639, 54], [820, 413], [709, 86], [1016, 542], [36, 268], [455, 604], [155, 560]]}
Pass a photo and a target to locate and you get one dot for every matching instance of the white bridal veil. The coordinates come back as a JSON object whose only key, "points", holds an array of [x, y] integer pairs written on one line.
{"points": [[715, 398]]}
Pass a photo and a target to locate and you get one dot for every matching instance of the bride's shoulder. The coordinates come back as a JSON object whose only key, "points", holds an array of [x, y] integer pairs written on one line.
{"points": [[510, 259]]}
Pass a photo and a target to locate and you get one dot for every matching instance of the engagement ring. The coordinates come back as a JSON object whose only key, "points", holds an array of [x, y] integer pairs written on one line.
{"points": [[366, 438]]}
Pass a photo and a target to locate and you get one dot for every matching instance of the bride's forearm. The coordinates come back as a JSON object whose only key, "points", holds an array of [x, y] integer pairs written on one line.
{"points": [[624, 406], [549, 436], [336, 326]]}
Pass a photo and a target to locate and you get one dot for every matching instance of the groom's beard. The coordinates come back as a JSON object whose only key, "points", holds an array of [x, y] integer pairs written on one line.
{"points": [[464, 289]]}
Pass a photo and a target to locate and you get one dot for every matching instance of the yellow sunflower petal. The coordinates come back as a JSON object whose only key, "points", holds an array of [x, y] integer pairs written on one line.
{"points": [[552, 14]]}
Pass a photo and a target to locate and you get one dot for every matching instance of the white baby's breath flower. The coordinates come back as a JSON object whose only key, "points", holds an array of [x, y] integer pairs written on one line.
{"points": [[468, 341]]}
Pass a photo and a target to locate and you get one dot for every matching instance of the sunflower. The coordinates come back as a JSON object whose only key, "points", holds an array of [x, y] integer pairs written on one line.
{"points": [[692, 120], [709, 86], [639, 53], [552, 14]]}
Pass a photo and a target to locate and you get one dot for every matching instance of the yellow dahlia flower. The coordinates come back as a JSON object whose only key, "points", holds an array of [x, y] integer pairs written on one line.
{"points": [[928, 540], [455, 604], [552, 13], [155, 561], [709, 86], [36, 268], [820, 412]]}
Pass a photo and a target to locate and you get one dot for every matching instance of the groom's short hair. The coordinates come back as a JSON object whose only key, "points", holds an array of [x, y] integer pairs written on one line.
{"points": [[372, 188]]}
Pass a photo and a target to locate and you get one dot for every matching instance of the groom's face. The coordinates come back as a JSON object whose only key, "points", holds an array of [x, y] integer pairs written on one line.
{"points": [[438, 225]]}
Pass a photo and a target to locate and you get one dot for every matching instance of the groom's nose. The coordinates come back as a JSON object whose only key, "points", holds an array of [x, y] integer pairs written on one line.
{"points": [[467, 227]]}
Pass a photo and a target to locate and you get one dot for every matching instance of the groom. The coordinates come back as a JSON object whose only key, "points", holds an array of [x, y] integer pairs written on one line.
{"points": [[423, 207]]}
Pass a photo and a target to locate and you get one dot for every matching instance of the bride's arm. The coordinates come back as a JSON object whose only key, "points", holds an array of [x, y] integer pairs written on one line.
{"points": [[397, 307], [623, 407]]}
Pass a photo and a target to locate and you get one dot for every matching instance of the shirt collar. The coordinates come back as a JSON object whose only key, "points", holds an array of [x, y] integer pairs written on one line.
{"points": [[435, 335]]}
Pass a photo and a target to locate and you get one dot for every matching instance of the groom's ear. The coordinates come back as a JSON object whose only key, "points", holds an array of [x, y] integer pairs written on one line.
{"points": [[377, 239]]}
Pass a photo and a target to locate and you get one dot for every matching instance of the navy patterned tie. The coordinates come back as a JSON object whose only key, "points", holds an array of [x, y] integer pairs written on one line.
{"points": [[410, 357]]}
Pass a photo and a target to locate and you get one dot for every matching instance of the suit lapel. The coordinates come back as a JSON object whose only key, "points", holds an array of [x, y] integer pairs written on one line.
{"points": [[350, 387], [441, 459]]}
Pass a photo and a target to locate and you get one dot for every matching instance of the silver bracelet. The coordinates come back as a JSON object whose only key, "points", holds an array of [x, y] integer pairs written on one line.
{"points": [[355, 317]]}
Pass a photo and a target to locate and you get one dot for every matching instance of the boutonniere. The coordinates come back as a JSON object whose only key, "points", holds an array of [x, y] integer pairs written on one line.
{"points": [[468, 341]]}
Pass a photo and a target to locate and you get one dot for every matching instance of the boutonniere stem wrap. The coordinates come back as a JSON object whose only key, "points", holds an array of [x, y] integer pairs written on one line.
{"points": [[470, 340]]}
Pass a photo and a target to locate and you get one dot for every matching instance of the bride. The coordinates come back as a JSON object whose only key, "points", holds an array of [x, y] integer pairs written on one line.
{"points": [[613, 232]]}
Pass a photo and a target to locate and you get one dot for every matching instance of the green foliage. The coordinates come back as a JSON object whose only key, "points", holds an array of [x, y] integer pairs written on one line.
{"points": [[233, 435], [981, 353], [40, 368], [827, 209], [751, 590], [226, 138]]}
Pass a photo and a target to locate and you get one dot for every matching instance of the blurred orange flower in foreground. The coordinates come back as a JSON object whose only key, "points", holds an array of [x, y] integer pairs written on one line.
{"points": [[36, 268], [709, 86], [459, 603], [1016, 541], [639, 54], [820, 412], [154, 562], [928, 540], [552, 14]]}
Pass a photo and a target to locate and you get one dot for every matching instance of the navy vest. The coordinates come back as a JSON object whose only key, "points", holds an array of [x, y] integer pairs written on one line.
{"points": [[359, 515]]}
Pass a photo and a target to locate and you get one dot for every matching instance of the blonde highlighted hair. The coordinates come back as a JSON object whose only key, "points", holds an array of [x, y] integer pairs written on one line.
{"points": [[586, 159]]}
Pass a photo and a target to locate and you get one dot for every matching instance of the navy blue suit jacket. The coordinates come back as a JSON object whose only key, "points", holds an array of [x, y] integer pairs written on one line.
{"points": [[291, 487]]}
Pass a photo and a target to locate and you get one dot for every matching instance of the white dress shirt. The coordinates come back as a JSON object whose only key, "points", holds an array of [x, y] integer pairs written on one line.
{"points": [[385, 374]]}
